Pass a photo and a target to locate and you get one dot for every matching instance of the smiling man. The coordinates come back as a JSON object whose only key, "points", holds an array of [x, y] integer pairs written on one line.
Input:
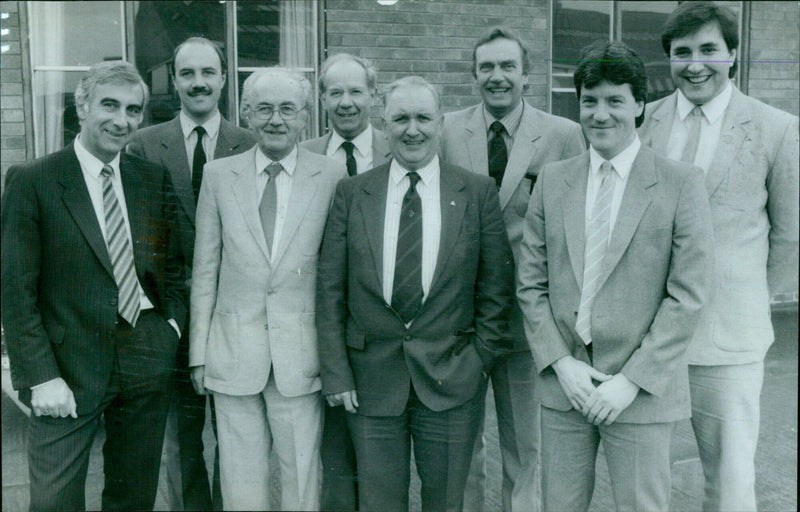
{"points": [[749, 153], [506, 138], [613, 274]]}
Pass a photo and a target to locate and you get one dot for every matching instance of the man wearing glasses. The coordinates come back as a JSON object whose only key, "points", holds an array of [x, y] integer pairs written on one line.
{"points": [[259, 223]]}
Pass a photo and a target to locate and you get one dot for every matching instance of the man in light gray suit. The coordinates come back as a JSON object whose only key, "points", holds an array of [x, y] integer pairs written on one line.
{"points": [[260, 219], [508, 139], [749, 152]]}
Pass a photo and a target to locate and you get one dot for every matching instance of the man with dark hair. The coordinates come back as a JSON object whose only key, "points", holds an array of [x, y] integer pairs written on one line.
{"points": [[749, 153], [94, 300], [197, 135], [506, 138], [612, 277]]}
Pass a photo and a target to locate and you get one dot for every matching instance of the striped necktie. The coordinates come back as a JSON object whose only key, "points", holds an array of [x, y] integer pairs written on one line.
{"points": [[120, 252], [597, 231], [407, 286]]}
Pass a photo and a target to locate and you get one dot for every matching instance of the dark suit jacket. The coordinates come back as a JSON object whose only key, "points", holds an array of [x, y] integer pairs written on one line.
{"points": [[380, 148], [58, 289], [462, 325], [164, 144], [655, 281]]}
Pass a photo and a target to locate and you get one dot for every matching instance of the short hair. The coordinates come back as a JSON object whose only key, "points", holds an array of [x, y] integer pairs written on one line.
{"points": [[502, 33], [613, 62], [690, 17], [204, 41], [411, 81], [274, 71], [108, 72], [369, 70]]}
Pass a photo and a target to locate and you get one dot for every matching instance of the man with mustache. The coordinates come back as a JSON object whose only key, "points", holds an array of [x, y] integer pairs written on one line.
{"points": [[197, 135], [749, 153]]}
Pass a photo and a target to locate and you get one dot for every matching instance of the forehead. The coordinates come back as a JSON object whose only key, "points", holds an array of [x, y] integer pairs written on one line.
{"points": [[346, 73], [197, 54], [497, 50], [121, 92], [709, 33], [608, 89], [410, 98], [277, 90]]}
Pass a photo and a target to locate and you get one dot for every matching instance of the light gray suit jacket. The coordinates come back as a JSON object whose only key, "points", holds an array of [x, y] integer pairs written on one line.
{"points": [[380, 148], [249, 312], [540, 139], [752, 185]]}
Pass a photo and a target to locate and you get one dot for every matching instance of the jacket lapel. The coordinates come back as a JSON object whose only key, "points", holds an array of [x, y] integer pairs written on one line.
{"points": [[522, 153], [735, 127], [477, 145], [177, 162], [227, 144], [574, 213], [373, 209], [136, 202], [452, 204], [246, 193], [380, 148], [304, 190]]}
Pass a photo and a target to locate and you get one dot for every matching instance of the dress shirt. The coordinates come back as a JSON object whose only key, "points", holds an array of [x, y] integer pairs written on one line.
{"points": [[428, 190], [510, 123], [190, 135], [622, 166], [362, 151], [710, 127], [283, 187]]}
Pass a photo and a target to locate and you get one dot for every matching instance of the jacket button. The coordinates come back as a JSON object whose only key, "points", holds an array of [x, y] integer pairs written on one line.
{"points": [[407, 337], [270, 291], [439, 382]]}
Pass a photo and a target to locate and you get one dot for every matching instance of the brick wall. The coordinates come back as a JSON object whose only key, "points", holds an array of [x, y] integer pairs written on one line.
{"points": [[434, 39], [13, 133], [775, 53]]}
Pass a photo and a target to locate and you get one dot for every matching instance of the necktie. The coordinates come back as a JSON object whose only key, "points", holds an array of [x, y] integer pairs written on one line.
{"points": [[690, 150], [269, 203], [597, 231], [498, 154], [407, 285], [198, 161], [351, 160], [120, 252]]}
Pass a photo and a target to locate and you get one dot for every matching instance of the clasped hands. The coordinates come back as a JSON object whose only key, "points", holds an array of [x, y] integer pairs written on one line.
{"points": [[600, 404], [347, 398]]}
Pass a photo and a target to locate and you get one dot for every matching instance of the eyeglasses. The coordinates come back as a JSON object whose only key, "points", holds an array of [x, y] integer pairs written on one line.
{"points": [[265, 112]]}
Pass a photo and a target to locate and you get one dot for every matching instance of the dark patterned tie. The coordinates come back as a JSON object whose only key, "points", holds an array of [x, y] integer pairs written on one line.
{"points": [[498, 154], [407, 287], [269, 203], [351, 160], [198, 161], [120, 252]]}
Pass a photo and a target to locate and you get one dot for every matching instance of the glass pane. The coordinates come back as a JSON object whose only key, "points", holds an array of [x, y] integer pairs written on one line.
{"points": [[276, 32], [309, 131], [158, 28], [56, 119], [75, 33]]}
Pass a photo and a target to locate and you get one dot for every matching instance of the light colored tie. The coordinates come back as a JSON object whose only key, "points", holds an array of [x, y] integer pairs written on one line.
{"points": [[692, 141], [597, 231], [268, 208], [120, 252]]}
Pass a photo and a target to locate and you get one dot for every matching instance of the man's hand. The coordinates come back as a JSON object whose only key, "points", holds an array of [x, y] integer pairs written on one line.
{"points": [[346, 398], [53, 398], [575, 378], [198, 377], [610, 398]]}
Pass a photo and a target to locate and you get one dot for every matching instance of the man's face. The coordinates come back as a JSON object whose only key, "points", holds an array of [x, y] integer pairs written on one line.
{"points": [[499, 75], [413, 126], [347, 99], [608, 115], [700, 63], [199, 80], [110, 118], [277, 135]]}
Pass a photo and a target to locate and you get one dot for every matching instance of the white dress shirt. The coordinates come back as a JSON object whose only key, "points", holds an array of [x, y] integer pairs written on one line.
{"points": [[362, 151], [190, 136], [283, 187], [622, 166], [710, 127], [428, 190]]}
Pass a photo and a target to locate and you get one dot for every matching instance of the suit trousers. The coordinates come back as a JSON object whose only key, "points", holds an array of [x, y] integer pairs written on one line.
{"points": [[637, 455], [249, 427], [518, 429], [339, 476], [725, 419], [134, 408], [443, 442]]}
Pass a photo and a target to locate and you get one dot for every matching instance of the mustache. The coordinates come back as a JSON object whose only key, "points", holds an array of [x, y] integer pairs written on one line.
{"points": [[196, 91]]}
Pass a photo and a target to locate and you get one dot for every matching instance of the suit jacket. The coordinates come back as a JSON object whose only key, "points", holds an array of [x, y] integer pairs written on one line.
{"points": [[752, 185], [58, 289], [249, 312], [655, 281], [540, 139], [380, 148], [462, 324], [164, 143]]}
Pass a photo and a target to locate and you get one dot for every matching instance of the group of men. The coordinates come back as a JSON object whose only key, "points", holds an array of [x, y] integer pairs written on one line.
{"points": [[347, 298]]}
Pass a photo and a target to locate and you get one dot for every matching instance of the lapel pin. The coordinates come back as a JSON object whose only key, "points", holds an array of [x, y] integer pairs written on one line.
{"points": [[452, 203]]}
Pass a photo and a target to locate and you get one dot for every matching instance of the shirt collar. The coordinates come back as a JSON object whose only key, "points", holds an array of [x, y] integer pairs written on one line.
{"points": [[429, 173], [211, 126], [362, 141], [510, 121], [622, 162], [712, 109], [289, 162], [90, 163]]}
